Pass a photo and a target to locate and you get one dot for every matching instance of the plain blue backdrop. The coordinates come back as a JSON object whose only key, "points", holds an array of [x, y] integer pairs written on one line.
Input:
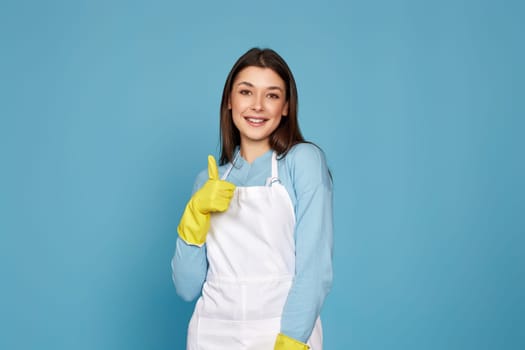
{"points": [[109, 108]]}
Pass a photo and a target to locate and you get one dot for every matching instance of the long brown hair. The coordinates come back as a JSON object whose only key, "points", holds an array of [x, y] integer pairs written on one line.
{"points": [[287, 133]]}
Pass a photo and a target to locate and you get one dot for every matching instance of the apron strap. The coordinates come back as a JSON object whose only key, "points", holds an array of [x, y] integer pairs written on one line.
{"points": [[275, 171], [227, 172]]}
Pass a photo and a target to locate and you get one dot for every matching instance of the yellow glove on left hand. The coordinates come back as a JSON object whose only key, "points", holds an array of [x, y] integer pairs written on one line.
{"points": [[214, 196], [284, 342]]}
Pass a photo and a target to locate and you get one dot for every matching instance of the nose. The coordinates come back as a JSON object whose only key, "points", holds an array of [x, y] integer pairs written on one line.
{"points": [[257, 104]]}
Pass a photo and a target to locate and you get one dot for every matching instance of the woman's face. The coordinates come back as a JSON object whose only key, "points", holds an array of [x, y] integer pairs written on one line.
{"points": [[257, 102]]}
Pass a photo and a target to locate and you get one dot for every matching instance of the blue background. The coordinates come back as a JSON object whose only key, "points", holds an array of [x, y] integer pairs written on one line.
{"points": [[109, 108]]}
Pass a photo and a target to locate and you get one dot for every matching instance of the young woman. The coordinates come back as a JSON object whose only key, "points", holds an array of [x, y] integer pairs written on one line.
{"points": [[255, 239]]}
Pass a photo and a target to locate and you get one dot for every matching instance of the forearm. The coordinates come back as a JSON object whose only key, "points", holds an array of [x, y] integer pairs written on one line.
{"points": [[189, 266], [305, 301]]}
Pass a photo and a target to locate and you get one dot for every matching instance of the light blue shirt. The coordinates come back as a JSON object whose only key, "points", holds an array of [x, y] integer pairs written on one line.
{"points": [[304, 174]]}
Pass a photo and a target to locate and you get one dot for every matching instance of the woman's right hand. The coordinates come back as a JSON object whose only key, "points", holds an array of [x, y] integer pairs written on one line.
{"points": [[214, 196]]}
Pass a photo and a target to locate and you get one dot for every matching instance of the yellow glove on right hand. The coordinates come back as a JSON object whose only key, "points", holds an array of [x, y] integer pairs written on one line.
{"points": [[214, 196]]}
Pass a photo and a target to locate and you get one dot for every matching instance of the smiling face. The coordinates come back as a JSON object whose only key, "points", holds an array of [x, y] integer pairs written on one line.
{"points": [[257, 102]]}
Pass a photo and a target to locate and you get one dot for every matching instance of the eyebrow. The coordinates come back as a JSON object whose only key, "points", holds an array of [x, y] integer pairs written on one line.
{"points": [[251, 85]]}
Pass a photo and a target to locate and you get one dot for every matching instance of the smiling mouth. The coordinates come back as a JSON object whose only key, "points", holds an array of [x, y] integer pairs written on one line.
{"points": [[255, 121]]}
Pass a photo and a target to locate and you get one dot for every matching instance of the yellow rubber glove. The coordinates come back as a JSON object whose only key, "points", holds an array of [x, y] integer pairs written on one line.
{"points": [[284, 342], [214, 196]]}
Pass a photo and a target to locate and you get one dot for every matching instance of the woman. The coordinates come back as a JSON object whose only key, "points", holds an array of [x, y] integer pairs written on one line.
{"points": [[255, 240]]}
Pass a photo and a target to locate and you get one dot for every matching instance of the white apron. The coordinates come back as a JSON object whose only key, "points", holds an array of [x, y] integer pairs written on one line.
{"points": [[251, 256]]}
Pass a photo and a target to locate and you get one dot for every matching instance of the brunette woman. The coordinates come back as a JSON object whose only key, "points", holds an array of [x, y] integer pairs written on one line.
{"points": [[255, 240]]}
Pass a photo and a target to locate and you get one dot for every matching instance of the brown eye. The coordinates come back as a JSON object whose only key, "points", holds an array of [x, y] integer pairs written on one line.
{"points": [[245, 92], [273, 96]]}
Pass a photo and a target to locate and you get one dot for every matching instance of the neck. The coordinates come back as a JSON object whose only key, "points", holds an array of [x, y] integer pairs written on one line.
{"points": [[251, 151]]}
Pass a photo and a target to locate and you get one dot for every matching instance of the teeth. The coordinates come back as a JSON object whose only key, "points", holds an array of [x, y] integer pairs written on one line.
{"points": [[255, 120]]}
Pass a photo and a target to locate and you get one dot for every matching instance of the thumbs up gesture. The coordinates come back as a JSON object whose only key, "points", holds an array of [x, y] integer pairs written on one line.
{"points": [[214, 196]]}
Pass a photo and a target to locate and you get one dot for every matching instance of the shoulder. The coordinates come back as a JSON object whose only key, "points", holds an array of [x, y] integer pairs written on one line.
{"points": [[305, 154], [200, 180], [307, 163]]}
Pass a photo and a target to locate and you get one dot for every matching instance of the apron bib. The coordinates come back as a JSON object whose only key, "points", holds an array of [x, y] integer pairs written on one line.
{"points": [[251, 264]]}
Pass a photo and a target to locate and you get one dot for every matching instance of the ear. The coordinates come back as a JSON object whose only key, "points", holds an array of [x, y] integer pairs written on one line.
{"points": [[229, 103], [284, 112]]}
